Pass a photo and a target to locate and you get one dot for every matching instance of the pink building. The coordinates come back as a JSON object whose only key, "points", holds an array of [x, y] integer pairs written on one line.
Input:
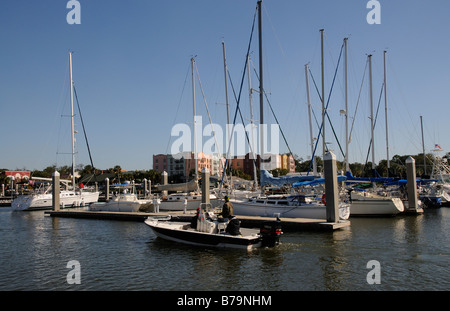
{"points": [[160, 163], [203, 160]]}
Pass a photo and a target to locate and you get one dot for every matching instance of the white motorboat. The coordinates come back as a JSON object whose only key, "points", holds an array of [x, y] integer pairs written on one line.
{"points": [[289, 206], [209, 231], [434, 195], [124, 202]]}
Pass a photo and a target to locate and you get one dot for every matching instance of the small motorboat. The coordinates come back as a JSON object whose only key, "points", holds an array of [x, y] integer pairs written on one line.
{"points": [[207, 229]]}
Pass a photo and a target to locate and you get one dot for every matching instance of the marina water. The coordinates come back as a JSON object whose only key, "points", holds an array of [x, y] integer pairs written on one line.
{"points": [[413, 254]]}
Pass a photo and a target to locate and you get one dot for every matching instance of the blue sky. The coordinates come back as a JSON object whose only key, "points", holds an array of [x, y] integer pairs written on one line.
{"points": [[131, 59]]}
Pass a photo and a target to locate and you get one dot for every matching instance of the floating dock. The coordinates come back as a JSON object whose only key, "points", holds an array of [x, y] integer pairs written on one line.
{"points": [[288, 224]]}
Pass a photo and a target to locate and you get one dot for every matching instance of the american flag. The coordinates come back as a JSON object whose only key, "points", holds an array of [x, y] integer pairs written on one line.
{"points": [[437, 146]]}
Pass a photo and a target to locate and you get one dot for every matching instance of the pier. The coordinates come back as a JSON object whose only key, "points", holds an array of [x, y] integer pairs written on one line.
{"points": [[288, 224]]}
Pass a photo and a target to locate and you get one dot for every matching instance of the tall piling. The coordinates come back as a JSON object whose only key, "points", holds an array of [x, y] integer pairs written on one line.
{"points": [[165, 179], [331, 187], [107, 189], [411, 186], [55, 191], [145, 188], [205, 188], [149, 188]]}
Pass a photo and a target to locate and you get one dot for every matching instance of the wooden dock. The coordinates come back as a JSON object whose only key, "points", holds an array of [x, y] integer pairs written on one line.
{"points": [[288, 224]]}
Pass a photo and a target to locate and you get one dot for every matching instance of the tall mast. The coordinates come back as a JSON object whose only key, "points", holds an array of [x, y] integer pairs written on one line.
{"points": [[72, 121], [323, 96], [195, 125], [423, 149], [386, 114], [250, 91], [371, 112], [347, 165], [311, 135], [226, 84], [261, 88], [226, 103]]}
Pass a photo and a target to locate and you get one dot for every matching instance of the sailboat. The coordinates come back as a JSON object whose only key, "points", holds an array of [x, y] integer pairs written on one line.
{"points": [[291, 205], [191, 196], [365, 202], [68, 198], [189, 199]]}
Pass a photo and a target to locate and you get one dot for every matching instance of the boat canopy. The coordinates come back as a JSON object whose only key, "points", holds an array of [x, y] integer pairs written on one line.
{"points": [[317, 181], [268, 179], [378, 179], [419, 181], [189, 186]]}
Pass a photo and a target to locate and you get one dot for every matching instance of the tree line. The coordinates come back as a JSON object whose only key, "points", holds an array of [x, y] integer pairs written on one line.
{"points": [[397, 169], [85, 170]]}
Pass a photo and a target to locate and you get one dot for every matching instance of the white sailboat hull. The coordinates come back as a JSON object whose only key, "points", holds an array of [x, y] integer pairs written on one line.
{"points": [[44, 201], [177, 203], [376, 207], [310, 211]]}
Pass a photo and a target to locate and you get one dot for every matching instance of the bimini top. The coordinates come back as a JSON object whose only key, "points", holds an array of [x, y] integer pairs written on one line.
{"points": [[268, 179], [317, 181]]}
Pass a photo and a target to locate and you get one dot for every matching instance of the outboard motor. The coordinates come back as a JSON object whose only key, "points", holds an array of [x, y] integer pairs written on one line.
{"points": [[270, 232]]}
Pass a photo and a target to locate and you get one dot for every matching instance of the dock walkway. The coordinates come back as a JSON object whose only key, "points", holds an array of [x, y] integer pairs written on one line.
{"points": [[289, 224]]}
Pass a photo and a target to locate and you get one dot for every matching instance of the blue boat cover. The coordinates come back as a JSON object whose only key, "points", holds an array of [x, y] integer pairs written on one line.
{"points": [[317, 181], [268, 179]]}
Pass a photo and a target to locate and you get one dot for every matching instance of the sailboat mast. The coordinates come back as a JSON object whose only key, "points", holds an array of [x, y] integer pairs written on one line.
{"points": [[423, 148], [72, 121], [227, 104], [386, 115], [311, 135], [195, 125], [323, 96], [371, 111], [250, 92], [226, 84], [347, 165], [261, 88]]}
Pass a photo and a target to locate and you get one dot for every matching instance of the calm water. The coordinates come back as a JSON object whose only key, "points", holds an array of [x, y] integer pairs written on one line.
{"points": [[413, 252]]}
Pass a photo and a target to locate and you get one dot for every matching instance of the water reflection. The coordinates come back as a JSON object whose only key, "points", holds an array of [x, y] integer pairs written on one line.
{"points": [[413, 251]]}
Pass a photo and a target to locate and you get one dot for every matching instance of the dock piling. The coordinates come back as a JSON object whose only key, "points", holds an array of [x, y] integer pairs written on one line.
{"points": [[55, 191], [165, 178], [411, 185], [107, 189], [205, 187], [331, 188], [145, 188]]}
